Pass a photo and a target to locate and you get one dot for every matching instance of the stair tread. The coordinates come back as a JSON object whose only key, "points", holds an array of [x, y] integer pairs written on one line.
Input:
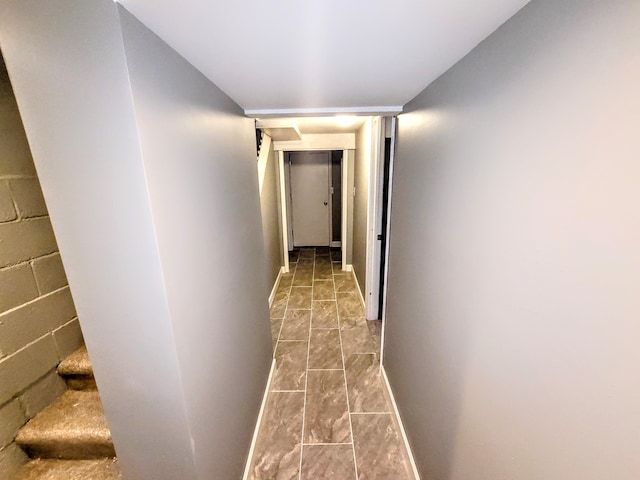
{"points": [[77, 363], [45, 469], [74, 426]]}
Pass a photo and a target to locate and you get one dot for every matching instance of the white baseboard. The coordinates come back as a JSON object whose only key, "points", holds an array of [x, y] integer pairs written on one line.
{"points": [[272, 295], [355, 278], [398, 422], [247, 467], [348, 267]]}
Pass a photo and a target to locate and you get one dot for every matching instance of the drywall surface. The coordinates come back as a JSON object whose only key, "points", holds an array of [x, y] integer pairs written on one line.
{"points": [[512, 324], [271, 229], [38, 323], [67, 64], [362, 161], [199, 157], [349, 156]]}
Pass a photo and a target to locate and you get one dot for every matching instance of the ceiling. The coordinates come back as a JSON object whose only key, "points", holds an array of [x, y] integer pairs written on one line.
{"points": [[322, 56]]}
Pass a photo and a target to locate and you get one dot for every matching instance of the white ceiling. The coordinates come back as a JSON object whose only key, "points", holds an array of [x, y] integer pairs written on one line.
{"points": [[323, 56]]}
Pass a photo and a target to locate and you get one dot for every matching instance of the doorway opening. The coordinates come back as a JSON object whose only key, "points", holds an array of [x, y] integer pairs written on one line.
{"points": [[314, 196]]}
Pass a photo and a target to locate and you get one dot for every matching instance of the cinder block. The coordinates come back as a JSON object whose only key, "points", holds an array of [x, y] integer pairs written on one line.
{"points": [[12, 459], [49, 273], [41, 394], [17, 286], [20, 241], [68, 338], [11, 419], [29, 322], [5, 85], [23, 368], [10, 115], [7, 211], [15, 156], [28, 197]]}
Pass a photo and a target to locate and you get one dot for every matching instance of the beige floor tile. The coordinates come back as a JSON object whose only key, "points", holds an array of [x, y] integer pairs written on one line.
{"points": [[291, 365], [344, 282], [326, 417], [349, 305], [337, 268], [279, 305], [378, 447], [323, 290], [306, 263], [324, 349], [357, 336], [328, 461], [296, 325], [276, 323], [307, 253], [277, 451], [303, 278], [300, 298], [323, 272], [364, 383], [324, 314], [285, 283]]}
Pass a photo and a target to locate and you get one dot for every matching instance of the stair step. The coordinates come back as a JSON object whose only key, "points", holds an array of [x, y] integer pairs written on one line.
{"points": [[72, 427], [43, 469], [77, 371]]}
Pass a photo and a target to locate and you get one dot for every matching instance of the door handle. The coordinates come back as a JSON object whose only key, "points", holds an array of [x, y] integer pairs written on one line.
{"points": [[325, 203]]}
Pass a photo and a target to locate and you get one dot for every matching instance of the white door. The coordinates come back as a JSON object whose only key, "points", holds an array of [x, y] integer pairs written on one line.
{"points": [[309, 173]]}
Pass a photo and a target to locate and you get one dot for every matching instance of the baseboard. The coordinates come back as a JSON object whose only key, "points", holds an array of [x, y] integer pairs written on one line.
{"points": [[247, 467], [355, 278], [348, 267], [398, 421], [275, 286]]}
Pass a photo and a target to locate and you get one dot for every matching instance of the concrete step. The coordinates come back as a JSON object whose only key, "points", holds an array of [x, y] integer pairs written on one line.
{"points": [[73, 427], [77, 371], [42, 469]]}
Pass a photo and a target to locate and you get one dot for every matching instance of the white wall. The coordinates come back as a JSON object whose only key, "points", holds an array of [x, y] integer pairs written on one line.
{"points": [[362, 161], [512, 324], [149, 174], [204, 198], [271, 227]]}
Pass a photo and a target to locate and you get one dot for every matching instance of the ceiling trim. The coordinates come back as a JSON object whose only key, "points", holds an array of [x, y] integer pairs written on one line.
{"points": [[319, 141], [316, 112]]}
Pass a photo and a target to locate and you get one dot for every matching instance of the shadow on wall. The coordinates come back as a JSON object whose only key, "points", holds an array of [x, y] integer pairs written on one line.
{"points": [[38, 323]]}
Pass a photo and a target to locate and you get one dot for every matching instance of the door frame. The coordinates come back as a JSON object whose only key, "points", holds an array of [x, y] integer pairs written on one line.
{"points": [[332, 193], [374, 220], [285, 203], [385, 288], [328, 203]]}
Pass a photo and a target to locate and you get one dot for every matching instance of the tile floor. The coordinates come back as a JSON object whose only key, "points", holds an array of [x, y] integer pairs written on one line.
{"points": [[327, 416]]}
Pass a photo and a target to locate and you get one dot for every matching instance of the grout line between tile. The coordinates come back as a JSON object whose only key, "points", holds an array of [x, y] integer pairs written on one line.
{"points": [[329, 444], [306, 375], [370, 413], [346, 391]]}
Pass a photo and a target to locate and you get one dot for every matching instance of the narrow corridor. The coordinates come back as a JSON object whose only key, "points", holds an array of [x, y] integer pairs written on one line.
{"points": [[327, 413]]}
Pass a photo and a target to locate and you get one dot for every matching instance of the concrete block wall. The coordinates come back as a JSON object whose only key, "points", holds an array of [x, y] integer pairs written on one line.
{"points": [[38, 321]]}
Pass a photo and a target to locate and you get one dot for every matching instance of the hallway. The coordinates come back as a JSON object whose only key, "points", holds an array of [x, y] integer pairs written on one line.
{"points": [[326, 415]]}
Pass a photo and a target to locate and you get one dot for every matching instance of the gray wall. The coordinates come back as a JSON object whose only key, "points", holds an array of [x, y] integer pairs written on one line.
{"points": [[350, 158], [271, 229], [362, 159], [38, 324], [203, 189], [149, 173], [512, 325]]}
